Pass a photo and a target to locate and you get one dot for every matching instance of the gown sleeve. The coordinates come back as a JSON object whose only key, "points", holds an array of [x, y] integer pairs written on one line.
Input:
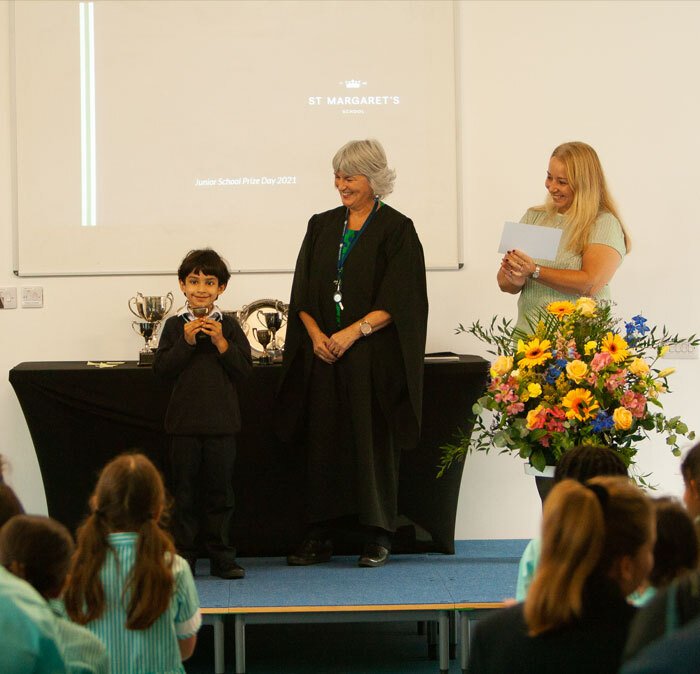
{"points": [[403, 293]]}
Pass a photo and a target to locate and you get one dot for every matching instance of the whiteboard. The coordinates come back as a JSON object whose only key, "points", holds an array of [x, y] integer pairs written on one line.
{"points": [[146, 129]]}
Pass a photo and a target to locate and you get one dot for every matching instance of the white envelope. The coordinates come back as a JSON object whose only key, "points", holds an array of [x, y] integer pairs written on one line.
{"points": [[540, 243]]}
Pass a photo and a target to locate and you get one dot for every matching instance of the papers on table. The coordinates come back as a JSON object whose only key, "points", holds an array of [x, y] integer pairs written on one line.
{"points": [[540, 243], [106, 363]]}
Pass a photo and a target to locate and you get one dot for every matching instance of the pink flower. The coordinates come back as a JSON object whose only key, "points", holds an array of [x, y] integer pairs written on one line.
{"points": [[515, 408], [505, 394], [615, 380], [635, 403], [600, 361]]}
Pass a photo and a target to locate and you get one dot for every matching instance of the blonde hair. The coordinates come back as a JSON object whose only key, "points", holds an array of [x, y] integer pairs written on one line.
{"points": [[591, 196], [585, 529]]}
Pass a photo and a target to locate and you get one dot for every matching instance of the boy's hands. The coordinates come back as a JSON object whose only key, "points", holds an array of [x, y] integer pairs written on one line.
{"points": [[214, 330], [209, 327], [191, 329]]}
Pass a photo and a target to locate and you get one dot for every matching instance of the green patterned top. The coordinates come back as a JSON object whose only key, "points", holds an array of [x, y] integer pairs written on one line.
{"points": [[607, 230]]}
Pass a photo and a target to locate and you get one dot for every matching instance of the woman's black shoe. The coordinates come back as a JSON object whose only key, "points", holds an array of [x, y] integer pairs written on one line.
{"points": [[311, 551], [373, 555]]}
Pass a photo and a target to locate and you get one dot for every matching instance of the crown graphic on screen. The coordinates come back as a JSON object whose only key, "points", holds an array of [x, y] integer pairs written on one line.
{"points": [[354, 84]]}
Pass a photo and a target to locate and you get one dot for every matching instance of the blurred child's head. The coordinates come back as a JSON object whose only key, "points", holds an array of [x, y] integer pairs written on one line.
{"points": [[9, 503], [690, 469], [604, 530], [37, 549], [676, 548], [588, 461], [128, 494]]}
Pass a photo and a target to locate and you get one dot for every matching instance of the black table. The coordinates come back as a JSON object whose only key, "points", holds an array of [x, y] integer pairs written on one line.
{"points": [[80, 417]]}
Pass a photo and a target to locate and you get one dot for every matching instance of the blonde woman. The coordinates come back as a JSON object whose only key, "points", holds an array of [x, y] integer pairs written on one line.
{"points": [[597, 547], [593, 244]]}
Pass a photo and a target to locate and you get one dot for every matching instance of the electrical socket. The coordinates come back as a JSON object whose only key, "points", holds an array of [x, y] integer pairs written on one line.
{"points": [[32, 297], [8, 297], [682, 351]]}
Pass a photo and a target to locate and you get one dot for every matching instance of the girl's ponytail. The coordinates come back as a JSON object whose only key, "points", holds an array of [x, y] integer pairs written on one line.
{"points": [[573, 534]]}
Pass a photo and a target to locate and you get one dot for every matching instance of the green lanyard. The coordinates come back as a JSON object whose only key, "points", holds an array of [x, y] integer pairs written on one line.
{"points": [[347, 243]]}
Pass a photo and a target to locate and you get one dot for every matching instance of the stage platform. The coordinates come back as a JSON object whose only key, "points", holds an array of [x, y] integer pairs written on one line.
{"points": [[421, 587]]}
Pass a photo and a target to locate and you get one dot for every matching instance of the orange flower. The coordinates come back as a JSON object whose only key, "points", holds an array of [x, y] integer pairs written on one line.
{"points": [[561, 309], [615, 346], [579, 404]]}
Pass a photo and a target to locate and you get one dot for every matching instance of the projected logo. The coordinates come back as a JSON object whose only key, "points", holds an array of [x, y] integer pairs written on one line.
{"points": [[353, 102]]}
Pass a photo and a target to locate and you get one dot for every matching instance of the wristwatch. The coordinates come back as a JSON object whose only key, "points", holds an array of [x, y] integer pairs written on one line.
{"points": [[536, 273], [366, 328]]}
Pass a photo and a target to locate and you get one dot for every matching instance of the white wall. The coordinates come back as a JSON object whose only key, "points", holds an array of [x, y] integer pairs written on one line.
{"points": [[619, 75]]}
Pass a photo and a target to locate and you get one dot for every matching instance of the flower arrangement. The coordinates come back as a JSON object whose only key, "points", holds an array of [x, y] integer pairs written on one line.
{"points": [[575, 379]]}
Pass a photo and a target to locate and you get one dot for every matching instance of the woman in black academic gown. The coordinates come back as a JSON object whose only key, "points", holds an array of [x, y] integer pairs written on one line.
{"points": [[353, 360]]}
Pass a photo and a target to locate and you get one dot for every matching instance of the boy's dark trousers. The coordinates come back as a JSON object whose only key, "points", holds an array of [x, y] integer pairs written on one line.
{"points": [[201, 471]]}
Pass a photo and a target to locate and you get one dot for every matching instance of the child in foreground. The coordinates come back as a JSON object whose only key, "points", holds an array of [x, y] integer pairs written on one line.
{"points": [[127, 585], [38, 550]]}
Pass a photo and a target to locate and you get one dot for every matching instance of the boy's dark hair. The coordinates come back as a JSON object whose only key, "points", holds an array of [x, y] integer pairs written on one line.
{"points": [[588, 461], [42, 546], [676, 549], [690, 466], [205, 261]]}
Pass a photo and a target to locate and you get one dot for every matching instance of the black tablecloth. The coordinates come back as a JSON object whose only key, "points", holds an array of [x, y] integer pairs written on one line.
{"points": [[80, 417]]}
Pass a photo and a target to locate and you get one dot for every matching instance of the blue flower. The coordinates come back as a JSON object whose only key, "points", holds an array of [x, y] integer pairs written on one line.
{"points": [[602, 422], [554, 370], [641, 324]]}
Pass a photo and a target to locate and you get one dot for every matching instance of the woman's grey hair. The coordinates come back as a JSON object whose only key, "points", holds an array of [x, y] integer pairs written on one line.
{"points": [[367, 158]]}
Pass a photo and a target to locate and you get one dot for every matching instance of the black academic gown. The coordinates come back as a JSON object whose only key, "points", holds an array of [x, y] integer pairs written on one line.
{"points": [[358, 413]]}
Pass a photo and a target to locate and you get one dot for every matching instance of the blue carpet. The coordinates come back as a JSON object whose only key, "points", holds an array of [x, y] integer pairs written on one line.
{"points": [[480, 571]]}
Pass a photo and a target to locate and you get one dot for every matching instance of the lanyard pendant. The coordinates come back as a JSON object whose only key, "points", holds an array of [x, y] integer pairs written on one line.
{"points": [[337, 295]]}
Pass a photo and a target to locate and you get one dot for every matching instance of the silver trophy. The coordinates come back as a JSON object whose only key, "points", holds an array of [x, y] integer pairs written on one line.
{"points": [[273, 321], [263, 337], [151, 310]]}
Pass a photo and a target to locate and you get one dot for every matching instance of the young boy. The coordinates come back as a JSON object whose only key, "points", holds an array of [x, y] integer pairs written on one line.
{"points": [[207, 355]]}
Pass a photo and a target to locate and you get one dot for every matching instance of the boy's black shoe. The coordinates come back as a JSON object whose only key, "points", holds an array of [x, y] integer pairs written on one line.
{"points": [[311, 551], [227, 568]]}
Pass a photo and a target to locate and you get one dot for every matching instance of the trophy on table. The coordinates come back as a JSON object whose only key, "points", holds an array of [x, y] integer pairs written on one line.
{"points": [[150, 310], [263, 337], [273, 321]]}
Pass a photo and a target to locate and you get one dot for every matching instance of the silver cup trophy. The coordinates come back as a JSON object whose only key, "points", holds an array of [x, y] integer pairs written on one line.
{"points": [[273, 321], [263, 337], [151, 310]]}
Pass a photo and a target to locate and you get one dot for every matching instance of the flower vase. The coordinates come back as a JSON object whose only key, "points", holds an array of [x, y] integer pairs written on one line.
{"points": [[544, 479]]}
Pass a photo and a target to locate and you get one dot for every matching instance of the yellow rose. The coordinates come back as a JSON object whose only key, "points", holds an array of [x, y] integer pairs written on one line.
{"points": [[638, 367], [590, 347], [586, 306], [501, 366], [534, 390], [665, 373], [622, 418], [576, 370], [515, 374]]}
